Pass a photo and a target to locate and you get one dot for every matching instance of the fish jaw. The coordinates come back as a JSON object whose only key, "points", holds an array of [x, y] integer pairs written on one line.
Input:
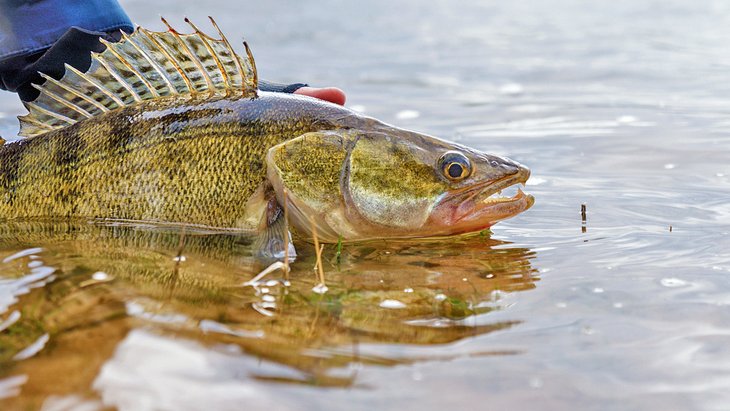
{"points": [[480, 206]]}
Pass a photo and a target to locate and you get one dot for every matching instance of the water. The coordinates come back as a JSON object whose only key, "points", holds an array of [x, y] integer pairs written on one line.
{"points": [[622, 106]]}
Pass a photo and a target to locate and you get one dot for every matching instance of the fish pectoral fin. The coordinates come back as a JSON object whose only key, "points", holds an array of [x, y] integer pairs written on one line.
{"points": [[256, 207], [270, 242], [273, 240]]}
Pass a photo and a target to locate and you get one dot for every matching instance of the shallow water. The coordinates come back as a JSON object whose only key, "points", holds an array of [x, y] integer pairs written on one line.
{"points": [[622, 106]]}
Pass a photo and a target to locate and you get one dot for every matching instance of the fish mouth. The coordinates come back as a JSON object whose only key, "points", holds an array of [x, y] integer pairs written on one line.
{"points": [[480, 206]]}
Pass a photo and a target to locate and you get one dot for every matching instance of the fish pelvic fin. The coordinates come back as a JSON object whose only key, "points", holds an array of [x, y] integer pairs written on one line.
{"points": [[144, 65], [274, 239]]}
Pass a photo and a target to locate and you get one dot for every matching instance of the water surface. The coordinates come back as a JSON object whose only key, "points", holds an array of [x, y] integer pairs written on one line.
{"points": [[622, 106]]}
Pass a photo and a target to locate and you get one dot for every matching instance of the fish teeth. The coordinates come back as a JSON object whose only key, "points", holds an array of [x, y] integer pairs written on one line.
{"points": [[504, 194]]}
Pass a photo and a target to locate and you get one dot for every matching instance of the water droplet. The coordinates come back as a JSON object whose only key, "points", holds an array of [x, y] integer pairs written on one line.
{"points": [[489, 276], [598, 290], [394, 304], [407, 114], [673, 282], [32, 349], [669, 166], [618, 305], [25, 253], [439, 297], [100, 276], [719, 175], [320, 289], [561, 305], [408, 290]]}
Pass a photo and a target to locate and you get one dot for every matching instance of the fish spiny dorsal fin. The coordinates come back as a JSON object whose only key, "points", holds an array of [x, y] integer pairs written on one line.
{"points": [[142, 66]]}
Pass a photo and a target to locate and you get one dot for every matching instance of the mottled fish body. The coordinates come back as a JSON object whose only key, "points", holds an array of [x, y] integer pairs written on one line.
{"points": [[190, 161], [169, 127]]}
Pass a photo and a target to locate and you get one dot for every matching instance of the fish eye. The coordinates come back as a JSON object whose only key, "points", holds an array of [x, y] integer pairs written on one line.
{"points": [[455, 166]]}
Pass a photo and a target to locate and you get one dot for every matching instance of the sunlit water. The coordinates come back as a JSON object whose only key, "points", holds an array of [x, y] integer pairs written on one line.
{"points": [[623, 106]]}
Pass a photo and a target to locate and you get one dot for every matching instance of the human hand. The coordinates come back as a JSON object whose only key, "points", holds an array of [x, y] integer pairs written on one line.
{"points": [[331, 94]]}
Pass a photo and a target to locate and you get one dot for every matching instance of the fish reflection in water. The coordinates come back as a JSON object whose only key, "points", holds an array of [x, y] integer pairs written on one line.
{"points": [[88, 288]]}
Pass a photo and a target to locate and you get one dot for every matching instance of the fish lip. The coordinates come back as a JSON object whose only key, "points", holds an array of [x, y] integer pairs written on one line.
{"points": [[495, 210], [469, 206]]}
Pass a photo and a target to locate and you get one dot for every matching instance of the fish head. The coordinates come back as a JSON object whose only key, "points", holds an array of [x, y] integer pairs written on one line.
{"points": [[355, 185]]}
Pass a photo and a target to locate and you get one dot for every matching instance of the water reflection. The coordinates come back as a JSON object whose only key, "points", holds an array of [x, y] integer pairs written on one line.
{"points": [[96, 292]]}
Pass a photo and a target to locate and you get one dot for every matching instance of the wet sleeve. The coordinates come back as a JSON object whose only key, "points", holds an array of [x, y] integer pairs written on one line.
{"points": [[30, 26], [18, 74], [280, 87], [43, 35]]}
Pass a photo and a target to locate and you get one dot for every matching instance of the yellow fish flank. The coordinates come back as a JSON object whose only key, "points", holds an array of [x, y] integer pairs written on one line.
{"points": [[170, 127]]}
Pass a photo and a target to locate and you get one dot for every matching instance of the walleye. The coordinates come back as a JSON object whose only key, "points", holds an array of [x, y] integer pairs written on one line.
{"points": [[170, 127]]}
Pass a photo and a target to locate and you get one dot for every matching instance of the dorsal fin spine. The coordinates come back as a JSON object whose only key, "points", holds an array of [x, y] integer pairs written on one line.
{"points": [[96, 84], [51, 113], [204, 39], [132, 69], [62, 101], [109, 68], [75, 92], [208, 81], [153, 64], [37, 123], [230, 50], [164, 51], [253, 64]]}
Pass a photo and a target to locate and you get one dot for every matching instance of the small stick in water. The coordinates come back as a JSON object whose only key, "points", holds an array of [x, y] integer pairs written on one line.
{"points": [[339, 250], [583, 217], [670, 228], [320, 288]]}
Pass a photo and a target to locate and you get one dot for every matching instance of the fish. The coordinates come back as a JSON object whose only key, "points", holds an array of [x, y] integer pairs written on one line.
{"points": [[170, 128]]}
